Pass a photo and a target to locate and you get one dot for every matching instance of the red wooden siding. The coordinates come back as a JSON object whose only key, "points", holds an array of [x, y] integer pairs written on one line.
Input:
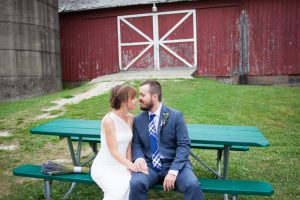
{"points": [[218, 41], [274, 28], [89, 47]]}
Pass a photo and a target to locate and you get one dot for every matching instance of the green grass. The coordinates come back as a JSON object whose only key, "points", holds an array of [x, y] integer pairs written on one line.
{"points": [[68, 96], [274, 110]]}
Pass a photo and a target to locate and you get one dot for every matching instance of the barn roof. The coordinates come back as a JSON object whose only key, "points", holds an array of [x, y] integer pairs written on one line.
{"points": [[78, 5]]}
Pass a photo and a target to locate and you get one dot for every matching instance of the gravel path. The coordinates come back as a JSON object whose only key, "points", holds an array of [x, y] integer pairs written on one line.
{"points": [[105, 83]]}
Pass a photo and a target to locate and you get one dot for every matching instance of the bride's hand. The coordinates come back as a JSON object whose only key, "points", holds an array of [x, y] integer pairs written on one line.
{"points": [[141, 166], [133, 168], [145, 170]]}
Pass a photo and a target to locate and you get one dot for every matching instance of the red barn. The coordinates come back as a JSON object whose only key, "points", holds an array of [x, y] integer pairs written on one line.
{"points": [[256, 41]]}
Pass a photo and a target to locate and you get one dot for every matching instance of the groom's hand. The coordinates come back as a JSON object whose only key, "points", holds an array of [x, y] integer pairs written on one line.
{"points": [[169, 182]]}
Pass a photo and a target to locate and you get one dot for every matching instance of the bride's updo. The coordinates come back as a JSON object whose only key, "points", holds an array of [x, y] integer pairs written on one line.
{"points": [[120, 94]]}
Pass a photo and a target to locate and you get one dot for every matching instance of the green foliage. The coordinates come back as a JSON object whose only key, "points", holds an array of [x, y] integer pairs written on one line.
{"points": [[68, 96], [274, 110]]}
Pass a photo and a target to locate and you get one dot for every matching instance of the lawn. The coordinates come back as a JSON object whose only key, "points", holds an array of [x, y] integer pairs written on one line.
{"points": [[274, 110]]}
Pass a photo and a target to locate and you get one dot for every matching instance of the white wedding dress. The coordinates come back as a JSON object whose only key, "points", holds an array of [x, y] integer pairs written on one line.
{"points": [[111, 176]]}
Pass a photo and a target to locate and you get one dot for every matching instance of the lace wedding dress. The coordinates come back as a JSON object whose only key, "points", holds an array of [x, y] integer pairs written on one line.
{"points": [[111, 176]]}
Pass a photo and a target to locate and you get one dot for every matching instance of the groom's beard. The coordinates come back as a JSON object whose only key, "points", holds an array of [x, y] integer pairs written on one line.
{"points": [[146, 107]]}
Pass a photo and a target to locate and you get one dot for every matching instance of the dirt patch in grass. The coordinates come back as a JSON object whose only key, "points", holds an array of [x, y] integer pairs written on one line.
{"points": [[46, 116], [59, 104], [4, 133], [58, 151], [10, 147]]}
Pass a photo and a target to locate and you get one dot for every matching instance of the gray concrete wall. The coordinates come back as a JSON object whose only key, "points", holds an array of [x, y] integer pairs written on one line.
{"points": [[29, 49]]}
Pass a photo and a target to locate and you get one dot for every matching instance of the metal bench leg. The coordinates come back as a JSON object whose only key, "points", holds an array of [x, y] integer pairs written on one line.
{"points": [[75, 159], [225, 165], [70, 190], [93, 145], [70, 144], [219, 158], [204, 164], [89, 160], [47, 189]]}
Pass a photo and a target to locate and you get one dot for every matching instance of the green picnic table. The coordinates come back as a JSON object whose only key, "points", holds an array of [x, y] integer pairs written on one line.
{"points": [[221, 137], [226, 137]]}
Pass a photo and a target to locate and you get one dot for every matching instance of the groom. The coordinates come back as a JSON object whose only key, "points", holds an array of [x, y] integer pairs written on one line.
{"points": [[161, 144]]}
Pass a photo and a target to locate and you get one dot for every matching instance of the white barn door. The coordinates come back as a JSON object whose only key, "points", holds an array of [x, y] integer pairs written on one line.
{"points": [[157, 40]]}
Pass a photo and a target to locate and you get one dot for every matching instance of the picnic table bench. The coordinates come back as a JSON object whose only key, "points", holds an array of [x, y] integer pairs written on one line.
{"points": [[218, 137], [220, 186]]}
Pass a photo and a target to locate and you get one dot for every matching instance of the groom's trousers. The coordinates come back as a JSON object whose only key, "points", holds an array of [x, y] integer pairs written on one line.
{"points": [[186, 182]]}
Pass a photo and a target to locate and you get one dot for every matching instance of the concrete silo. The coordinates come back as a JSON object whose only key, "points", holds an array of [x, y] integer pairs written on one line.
{"points": [[29, 49]]}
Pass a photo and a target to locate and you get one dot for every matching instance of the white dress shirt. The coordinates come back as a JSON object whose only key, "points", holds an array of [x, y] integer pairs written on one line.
{"points": [[157, 114]]}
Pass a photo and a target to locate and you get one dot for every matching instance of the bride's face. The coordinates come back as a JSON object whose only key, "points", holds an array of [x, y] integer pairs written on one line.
{"points": [[132, 103]]}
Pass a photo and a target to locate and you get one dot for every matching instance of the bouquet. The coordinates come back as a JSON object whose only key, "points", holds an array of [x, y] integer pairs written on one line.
{"points": [[52, 168]]}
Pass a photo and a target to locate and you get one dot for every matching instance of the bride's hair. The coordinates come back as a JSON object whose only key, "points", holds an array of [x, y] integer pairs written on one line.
{"points": [[120, 94]]}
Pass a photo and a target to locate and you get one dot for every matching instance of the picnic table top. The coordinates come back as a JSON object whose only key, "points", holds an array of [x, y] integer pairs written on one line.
{"points": [[199, 133]]}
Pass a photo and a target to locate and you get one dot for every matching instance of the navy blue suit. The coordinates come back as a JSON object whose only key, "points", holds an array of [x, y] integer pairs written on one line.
{"points": [[174, 146]]}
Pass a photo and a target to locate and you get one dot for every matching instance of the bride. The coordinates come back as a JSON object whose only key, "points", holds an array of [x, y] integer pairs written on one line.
{"points": [[112, 167]]}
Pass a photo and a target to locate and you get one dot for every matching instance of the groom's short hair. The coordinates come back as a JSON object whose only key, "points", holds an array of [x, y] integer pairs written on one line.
{"points": [[154, 88]]}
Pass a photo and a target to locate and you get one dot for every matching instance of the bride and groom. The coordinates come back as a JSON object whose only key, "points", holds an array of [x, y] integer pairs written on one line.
{"points": [[139, 152]]}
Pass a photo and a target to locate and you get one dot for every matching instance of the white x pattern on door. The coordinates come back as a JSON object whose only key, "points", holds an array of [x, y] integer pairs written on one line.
{"points": [[156, 42]]}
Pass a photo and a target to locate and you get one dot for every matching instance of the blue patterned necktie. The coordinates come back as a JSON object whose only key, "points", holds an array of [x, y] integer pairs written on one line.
{"points": [[154, 144]]}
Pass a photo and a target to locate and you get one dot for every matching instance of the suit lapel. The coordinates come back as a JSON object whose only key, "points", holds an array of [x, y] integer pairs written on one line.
{"points": [[145, 120], [163, 109]]}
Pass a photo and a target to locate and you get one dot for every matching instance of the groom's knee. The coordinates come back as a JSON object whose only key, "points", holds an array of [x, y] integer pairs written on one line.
{"points": [[193, 185], [187, 185], [138, 182]]}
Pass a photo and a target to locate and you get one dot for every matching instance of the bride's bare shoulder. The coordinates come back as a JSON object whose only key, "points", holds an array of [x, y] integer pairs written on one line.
{"points": [[107, 120]]}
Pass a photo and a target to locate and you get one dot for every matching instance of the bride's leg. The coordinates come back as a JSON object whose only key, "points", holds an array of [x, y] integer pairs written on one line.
{"points": [[117, 189]]}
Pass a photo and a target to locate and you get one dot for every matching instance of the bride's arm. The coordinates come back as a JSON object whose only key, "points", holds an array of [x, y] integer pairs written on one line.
{"points": [[128, 153], [109, 130]]}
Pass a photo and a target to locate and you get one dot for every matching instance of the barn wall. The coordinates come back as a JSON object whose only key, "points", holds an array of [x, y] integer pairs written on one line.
{"points": [[89, 47], [218, 41], [247, 38], [89, 42], [274, 37]]}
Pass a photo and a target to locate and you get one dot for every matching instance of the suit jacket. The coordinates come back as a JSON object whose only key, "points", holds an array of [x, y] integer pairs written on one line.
{"points": [[173, 139]]}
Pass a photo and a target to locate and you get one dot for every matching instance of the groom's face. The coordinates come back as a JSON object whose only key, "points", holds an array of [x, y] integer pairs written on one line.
{"points": [[145, 98]]}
